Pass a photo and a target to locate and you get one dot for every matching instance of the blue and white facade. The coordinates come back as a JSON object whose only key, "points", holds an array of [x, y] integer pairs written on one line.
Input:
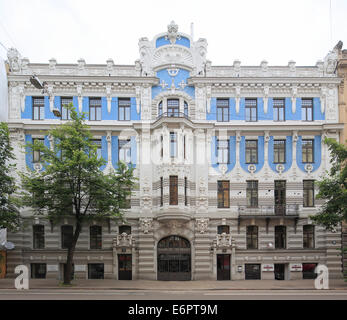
{"points": [[180, 112]]}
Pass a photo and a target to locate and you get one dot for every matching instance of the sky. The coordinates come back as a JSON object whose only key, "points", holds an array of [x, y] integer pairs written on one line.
{"points": [[247, 30]]}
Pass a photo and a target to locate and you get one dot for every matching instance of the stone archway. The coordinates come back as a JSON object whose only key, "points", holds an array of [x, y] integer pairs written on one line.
{"points": [[174, 258]]}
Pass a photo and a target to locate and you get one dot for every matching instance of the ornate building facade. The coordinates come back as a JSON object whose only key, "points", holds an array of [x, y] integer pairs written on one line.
{"points": [[226, 158]]}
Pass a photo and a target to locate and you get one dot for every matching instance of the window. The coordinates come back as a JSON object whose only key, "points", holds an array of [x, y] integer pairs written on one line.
{"points": [[251, 151], [279, 151], [307, 110], [252, 237], [308, 193], [223, 229], [279, 110], [125, 229], [173, 190], [223, 151], [37, 154], [66, 236], [173, 107], [38, 237], [97, 142], [280, 237], [124, 151], [185, 191], [173, 144], [95, 271], [223, 194], [95, 237], [161, 146], [184, 147], [65, 114], [124, 109], [222, 110], [185, 108], [252, 194], [308, 237], [94, 109], [161, 192], [251, 110], [160, 108], [307, 150], [38, 270], [38, 108]]}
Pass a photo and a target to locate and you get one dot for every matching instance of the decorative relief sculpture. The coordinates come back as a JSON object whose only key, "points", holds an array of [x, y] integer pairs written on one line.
{"points": [[14, 59], [223, 241], [146, 225], [172, 32], [202, 225], [124, 240]]}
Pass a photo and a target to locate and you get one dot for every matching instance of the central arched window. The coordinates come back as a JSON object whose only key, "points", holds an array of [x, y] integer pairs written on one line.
{"points": [[173, 107]]}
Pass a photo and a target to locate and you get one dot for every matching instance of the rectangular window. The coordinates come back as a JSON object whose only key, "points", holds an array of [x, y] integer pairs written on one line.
{"points": [[279, 110], [173, 144], [223, 229], [94, 109], [37, 154], [38, 237], [124, 109], [251, 110], [223, 194], [38, 270], [307, 151], [173, 107], [185, 191], [308, 237], [95, 271], [161, 192], [279, 151], [252, 237], [65, 114], [173, 190], [125, 229], [307, 110], [66, 236], [38, 108], [223, 110], [95, 237], [280, 237], [161, 147], [251, 151], [97, 142], [308, 193], [124, 151], [223, 153], [252, 194]]}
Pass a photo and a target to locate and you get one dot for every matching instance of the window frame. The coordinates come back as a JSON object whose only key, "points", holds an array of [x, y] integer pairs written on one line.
{"points": [[254, 193], [221, 228], [35, 153], [219, 148], [281, 237], [308, 236], [98, 144], [95, 237], [64, 235], [173, 144], [96, 108], [38, 237], [40, 107], [173, 110], [307, 107], [125, 109], [279, 142], [277, 107], [221, 189], [251, 107], [250, 149], [252, 237], [224, 117], [306, 195], [124, 150], [127, 229], [62, 108], [306, 153], [173, 190], [161, 192]]}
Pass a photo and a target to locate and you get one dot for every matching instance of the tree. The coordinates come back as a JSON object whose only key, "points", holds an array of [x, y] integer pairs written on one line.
{"points": [[72, 184], [9, 205], [333, 188]]}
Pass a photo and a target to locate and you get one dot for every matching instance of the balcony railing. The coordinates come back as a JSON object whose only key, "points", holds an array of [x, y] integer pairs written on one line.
{"points": [[173, 114], [273, 210]]}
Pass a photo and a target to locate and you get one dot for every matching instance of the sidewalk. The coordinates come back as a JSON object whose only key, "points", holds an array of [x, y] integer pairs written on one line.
{"points": [[175, 285]]}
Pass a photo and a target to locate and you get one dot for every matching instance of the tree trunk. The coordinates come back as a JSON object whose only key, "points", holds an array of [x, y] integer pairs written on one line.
{"points": [[70, 253]]}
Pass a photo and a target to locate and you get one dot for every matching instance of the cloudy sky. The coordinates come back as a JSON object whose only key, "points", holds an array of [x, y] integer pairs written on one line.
{"points": [[248, 30]]}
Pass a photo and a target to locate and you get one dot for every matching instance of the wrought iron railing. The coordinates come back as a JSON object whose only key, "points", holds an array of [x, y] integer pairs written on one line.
{"points": [[173, 114], [273, 210]]}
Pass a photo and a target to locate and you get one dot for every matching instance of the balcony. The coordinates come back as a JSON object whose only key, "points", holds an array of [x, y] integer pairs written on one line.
{"points": [[289, 210], [173, 114]]}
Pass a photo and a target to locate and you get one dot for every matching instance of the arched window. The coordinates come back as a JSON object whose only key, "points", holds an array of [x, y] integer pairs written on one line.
{"points": [[173, 107], [125, 229], [186, 108], [160, 108]]}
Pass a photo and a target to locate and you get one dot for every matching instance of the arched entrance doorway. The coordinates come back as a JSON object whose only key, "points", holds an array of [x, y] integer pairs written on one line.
{"points": [[174, 259]]}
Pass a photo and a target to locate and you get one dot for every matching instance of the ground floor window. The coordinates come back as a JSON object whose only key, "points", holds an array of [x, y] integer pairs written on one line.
{"points": [[252, 271], [308, 270], [95, 271], [38, 271]]}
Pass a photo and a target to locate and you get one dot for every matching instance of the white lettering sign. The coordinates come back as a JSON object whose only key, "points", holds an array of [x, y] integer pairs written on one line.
{"points": [[80, 267], [295, 267], [267, 267]]}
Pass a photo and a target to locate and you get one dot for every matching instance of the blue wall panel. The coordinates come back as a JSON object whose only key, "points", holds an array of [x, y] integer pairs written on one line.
{"points": [[29, 152], [133, 151], [85, 107], [28, 108], [288, 153], [232, 153], [212, 115], [133, 112], [183, 41], [104, 151], [317, 149], [114, 150], [48, 113], [105, 115], [270, 109], [317, 115], [260, 163], [57, 103], [75, 103], [288, 109]]}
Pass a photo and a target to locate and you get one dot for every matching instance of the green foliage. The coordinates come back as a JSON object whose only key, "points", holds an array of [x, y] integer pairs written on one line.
{"points": [[72, 183], [333, 188], [9, 205]]}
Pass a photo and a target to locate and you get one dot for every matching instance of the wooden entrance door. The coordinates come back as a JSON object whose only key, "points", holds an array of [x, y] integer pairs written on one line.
{"points": [[124, 267], [223, 266]]}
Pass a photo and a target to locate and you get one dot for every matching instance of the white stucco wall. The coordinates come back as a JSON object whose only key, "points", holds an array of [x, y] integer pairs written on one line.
{"points": [[3, 92]]}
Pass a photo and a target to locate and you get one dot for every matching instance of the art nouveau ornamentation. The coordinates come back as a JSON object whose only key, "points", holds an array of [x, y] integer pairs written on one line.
{"points": [[146, 225], [202, 225], [124, 240], [223, 241]]}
